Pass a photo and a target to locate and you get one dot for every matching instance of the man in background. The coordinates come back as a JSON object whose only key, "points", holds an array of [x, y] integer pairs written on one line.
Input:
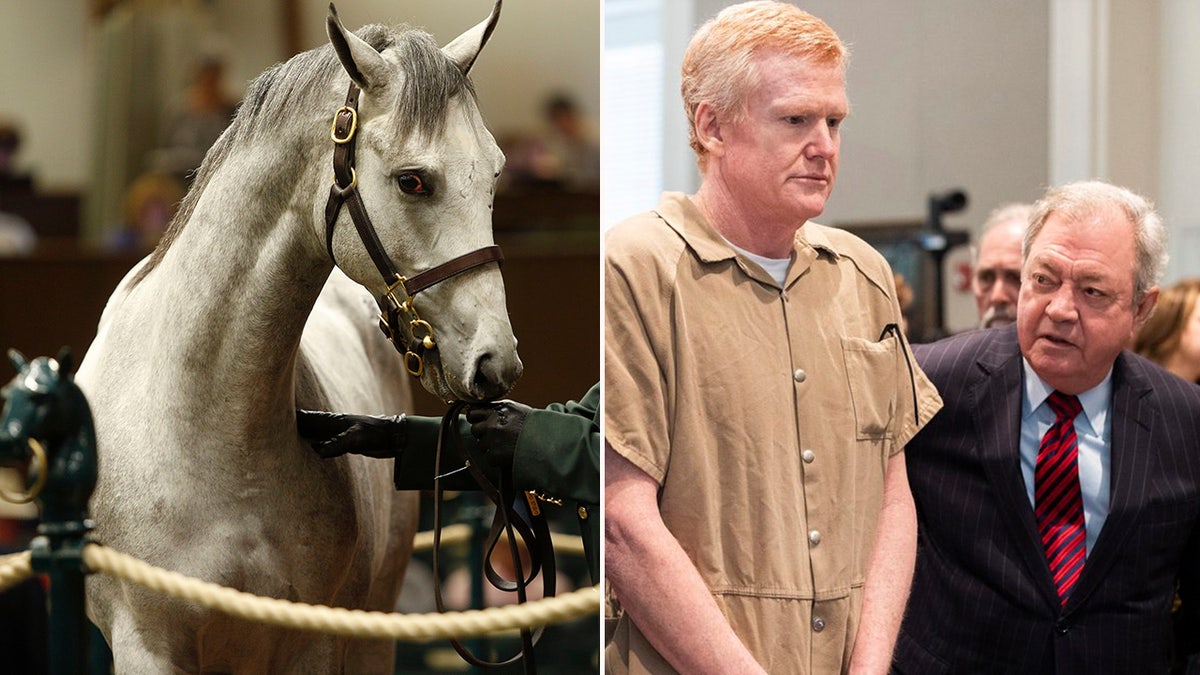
{"points": [[996, 274]]}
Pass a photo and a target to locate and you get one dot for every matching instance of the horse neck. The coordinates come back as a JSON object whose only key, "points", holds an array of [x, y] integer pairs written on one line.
{"points": [[240, 281]]}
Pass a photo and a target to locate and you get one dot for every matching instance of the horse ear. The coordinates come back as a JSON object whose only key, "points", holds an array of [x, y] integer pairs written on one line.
{"points": [[463, 49], [18, 359], [362, 62], [66, 361]]}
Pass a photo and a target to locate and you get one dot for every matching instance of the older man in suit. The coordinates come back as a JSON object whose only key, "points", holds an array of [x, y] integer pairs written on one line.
{"points": [[1058, 491]]}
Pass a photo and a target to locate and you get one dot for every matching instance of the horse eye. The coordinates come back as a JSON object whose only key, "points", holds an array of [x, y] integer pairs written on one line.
{"points": [[412, 184]]}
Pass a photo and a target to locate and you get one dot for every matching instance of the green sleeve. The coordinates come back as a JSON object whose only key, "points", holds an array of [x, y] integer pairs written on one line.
{"points": [[558, 451], [415, 465]]}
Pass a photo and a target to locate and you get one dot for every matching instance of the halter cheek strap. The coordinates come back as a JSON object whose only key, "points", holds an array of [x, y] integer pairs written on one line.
{"points": [[419, 337]]}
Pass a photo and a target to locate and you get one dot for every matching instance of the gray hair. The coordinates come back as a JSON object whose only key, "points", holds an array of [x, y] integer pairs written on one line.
{"points": [[1000, 215], [1006, 212], [1076, 201]]}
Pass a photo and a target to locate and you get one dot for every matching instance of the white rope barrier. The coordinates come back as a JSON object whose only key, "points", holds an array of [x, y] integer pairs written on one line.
{"points": [[339, 621], [17, 567]]}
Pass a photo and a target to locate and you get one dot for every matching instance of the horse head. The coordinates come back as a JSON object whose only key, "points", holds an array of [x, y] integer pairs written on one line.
{"points": [[46, 413], [424, 168]]}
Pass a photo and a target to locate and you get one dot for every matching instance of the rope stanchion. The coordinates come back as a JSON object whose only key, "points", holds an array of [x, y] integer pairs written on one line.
{"points": [[14, 569], [339, 621]]}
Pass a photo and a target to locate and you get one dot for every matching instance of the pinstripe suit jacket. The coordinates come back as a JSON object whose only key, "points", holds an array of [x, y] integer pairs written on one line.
{"points": [[982, 599]]}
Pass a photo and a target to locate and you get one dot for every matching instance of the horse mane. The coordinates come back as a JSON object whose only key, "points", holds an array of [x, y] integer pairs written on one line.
{"points": [[302, 83]]}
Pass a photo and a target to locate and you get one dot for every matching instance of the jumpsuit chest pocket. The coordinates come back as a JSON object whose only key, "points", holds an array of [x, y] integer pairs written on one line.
{"points": [[872, 376]]}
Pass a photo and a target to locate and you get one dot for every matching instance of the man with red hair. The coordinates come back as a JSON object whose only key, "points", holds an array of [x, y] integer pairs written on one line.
{"points": [[759, 391]]}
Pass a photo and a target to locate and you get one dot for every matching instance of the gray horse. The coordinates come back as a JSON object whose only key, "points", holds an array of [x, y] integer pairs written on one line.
{"points": [[240, 315]]}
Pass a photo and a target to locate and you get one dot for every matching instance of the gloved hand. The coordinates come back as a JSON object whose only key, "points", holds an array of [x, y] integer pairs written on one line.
{"points": [[498, 426], [334, 434]]}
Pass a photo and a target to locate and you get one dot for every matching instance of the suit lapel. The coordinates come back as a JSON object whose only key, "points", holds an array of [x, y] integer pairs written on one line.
{"points": [[997, 402], [1131, 465]]}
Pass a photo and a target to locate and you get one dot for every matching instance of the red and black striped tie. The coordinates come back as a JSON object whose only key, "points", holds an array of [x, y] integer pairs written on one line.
{"points": [[1058, 503]]}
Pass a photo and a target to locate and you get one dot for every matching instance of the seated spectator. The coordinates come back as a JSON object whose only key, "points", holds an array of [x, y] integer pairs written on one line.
{"points": [[1171, 336], [205, 112], [572, 143], [16, 235], [150, 203], [10, 144], [564, 154]]}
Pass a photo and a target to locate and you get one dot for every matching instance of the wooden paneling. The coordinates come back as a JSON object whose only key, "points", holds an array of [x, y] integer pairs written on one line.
{"points": [[54, 299]]}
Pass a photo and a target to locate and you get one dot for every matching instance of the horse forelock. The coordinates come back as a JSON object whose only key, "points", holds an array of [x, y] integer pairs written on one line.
{"points": [[431, 82], [298, 90]]}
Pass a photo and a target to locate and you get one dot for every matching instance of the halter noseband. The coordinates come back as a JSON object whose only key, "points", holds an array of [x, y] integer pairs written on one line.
{"points": [[419, 336]]}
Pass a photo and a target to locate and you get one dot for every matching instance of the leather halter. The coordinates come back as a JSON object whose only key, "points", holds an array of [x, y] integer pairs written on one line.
{"points": [[419, 337]]}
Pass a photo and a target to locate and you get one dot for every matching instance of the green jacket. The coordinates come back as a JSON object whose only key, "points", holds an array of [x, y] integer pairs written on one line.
{"points": [[558, 453]]}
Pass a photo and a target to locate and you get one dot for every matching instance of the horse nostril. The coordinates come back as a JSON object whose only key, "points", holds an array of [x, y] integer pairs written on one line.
{"points": [[485, 383], [491, 379]]}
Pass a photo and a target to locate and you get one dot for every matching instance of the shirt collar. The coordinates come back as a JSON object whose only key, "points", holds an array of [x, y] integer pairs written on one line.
{"points": [[1095, 401], [682, 215]]}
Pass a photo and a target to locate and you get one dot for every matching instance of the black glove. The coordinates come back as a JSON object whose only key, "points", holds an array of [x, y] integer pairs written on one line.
{"points": [[334, 434], [498, 426]]}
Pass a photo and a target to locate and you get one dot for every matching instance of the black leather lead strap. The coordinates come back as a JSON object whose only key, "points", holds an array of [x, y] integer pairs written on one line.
{"points": [[535, 535]]}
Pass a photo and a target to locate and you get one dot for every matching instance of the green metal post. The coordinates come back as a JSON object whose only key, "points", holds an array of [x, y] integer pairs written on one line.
{"points": [[61, 557], [46, 413]]}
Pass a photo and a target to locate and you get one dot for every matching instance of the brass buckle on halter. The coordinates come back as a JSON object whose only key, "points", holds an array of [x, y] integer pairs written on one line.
{"points": [[394, 309], [426, 341], [416, 323], [413, 362], [419, 329], [422, 325], [333, 130], [390, 294], [411, 358]]}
